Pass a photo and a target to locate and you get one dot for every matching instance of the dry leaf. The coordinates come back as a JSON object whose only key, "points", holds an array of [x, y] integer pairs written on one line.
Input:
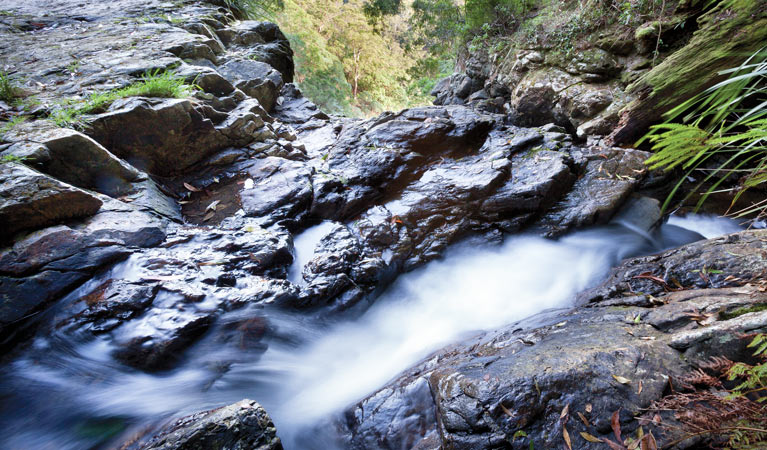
{"points": [[506, 411], [560, 324], [656, 420], [615, 423], [191, 188], [621, 380], [588, 407], [639, 391], [589, 437], [583, 419], [208, 217], [566, 435], [565, 411], [614, 445], [212, 206]]}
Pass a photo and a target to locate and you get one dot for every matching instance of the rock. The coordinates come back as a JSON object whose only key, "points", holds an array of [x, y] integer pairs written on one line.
{"points": [[609, 177], [257, 79], [282, 191], [209, 80], [30, 200], [79, 160], [244, 425], [109, 305], [293, 108], [455, 89], [380, 155], [163, 137], [265, 42], [156, 340], [736, 255]]}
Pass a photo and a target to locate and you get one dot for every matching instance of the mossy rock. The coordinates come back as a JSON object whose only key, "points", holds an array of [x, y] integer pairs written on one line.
{"points": [[726, 36]]}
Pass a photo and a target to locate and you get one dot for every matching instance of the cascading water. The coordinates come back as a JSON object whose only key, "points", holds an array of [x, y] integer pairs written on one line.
{"points": [[68, 394]]}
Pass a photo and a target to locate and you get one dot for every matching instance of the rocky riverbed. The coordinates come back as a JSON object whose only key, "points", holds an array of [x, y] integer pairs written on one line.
{"points": [[148, 274]]}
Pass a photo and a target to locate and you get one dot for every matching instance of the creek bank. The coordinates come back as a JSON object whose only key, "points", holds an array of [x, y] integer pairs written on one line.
{"points": [[199, 200], [602, 76]]}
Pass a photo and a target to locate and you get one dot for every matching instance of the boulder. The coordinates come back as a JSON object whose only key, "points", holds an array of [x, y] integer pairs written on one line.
{"points": [[79, 160], [244, 425], [163, 137], [257, 79], [31, 200]]}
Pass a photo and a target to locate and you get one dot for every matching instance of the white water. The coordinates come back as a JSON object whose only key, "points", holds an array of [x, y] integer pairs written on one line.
{"points": [[303, 249], [315, 370], [707, 225]]}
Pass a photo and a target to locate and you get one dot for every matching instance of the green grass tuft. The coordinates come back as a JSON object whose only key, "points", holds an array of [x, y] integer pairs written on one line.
{"points": [[8, 90], [154, 84]]}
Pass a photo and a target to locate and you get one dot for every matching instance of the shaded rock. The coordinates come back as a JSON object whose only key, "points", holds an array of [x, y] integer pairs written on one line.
{"points": [[244, 425], [110, 304], [163, 137], [79, 160], [29, 200], [520, 378], [156, 340], [381, 155]]}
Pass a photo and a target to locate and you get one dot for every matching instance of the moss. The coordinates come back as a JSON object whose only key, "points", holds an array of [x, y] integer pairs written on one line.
{"points": [[647, 31], [727, 315]]}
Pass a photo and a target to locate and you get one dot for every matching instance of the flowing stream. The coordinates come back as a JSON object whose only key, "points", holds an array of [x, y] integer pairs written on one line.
{"points": [[69, 394]]}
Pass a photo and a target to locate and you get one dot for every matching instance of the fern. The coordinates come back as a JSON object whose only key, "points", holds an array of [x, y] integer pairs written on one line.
{"points": [[722, 122]]}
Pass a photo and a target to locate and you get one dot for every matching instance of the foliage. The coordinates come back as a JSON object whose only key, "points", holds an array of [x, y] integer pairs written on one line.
{"points": [[256, 9], [8, 90], [724, 127], [349, 64], [152, 84], [11, 158], [735, 418]]}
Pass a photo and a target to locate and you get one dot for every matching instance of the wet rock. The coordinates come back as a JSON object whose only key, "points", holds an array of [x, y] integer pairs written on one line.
{"points": [[156, 340], [293, 108], [244, 425], [704, 264], [110, 304], [30, 200], [163, 137], [80, 161], [281, 192], [609, 177], [257, 79], [620, 354], [378, 156], [329, 272]]}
